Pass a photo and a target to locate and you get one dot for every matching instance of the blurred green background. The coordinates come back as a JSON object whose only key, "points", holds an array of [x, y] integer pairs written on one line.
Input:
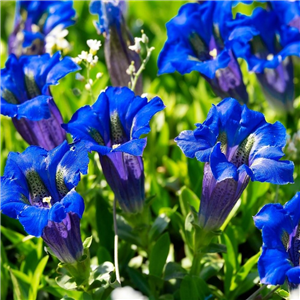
{"points": [[188, 99]]}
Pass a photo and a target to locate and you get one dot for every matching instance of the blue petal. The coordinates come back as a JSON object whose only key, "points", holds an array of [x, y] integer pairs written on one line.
{"points": [[268, 135], [269, 170], [293, 209], [229, 111], [60, 70], [220, 166], [73, 202], [273, 266], [13, 197], [293, 275], [191, 146], [140, 122], [273, 220], [30, 37], [57, 213], [84, 121], [133, 147], [63, 14], [74, 162], [34, 219]]}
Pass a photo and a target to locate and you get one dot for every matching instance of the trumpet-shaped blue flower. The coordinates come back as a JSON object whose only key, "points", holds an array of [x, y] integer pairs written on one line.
{"points": [[38, 189], [112, 127], [237, 145], [267, 47], [26, 97], [34, 20], [280, 258], [196, 42], [117, 39]]}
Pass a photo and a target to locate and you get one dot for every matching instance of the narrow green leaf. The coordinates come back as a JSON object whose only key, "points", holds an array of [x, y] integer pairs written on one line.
{"points": [[159, 254], [37, 277], [188, 289], [19, 288], [159, 225], [174, 271], [4, 272], [139, 281], [187, 199]]}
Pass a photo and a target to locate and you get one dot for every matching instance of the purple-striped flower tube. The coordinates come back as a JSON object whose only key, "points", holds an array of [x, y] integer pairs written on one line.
{"points": [[112, 126], [26, 96], [38, 189], [117, 39], [236, 144], [280, 257]]}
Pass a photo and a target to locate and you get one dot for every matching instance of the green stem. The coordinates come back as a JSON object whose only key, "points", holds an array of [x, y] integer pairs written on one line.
{"points": [[196, 265], [253, 296], [116, 259], [142, 67]]}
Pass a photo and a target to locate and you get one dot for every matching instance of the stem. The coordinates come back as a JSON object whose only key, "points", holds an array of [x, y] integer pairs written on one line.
{"points": [[256, 292], [271, 293], [196, 266], [116, 260], [140, 70]]}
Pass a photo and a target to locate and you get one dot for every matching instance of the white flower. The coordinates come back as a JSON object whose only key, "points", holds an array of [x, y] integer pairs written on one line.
{"points": [[55, 40], [137, 45], [88, 86], [94, 45], [99, 75], [83, 55]]}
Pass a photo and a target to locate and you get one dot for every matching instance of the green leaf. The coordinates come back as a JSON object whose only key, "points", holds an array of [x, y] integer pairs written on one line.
{"points": [[159, 225], [188, 289], [20, 241], [20, 289], [159, 254], [230, 263], [104, 219], [102, 276], [174, 271], [139, 281], [66, 282], [87, 242], [37, 277], [4, 272], [103, 255], [215, 248], [244, 271], [187, 199]]}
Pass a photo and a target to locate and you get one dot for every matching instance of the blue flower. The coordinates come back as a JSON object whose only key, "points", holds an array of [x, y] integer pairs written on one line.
{"points": [[26, 97], [280, 256], [117, 39], [196, 42], [38, 189], [237, 145], [34, 20], [288, 12], [267, 47], [112, 127]]}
